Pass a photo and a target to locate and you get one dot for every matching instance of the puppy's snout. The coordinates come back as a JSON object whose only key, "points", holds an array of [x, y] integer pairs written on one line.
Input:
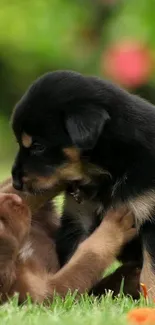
{"points": [[17, 184], [17, 179]]}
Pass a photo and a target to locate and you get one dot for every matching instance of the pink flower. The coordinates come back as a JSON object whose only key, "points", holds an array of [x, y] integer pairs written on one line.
{"points": [[128, 63]]}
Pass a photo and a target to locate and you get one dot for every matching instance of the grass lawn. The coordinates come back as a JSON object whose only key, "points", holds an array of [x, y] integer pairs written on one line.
{"points": [[86, 311]]}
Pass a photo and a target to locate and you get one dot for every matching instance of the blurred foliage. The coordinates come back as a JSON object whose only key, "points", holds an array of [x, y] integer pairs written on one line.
{"points": [[37, 36], [41, 35]]}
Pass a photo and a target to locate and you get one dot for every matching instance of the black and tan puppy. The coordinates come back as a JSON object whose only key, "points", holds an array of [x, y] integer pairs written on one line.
{"points": [[65, 123]]}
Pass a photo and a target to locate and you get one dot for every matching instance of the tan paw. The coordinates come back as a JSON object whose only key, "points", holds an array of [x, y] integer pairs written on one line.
{"points": [[119, 225], [15, 216]]}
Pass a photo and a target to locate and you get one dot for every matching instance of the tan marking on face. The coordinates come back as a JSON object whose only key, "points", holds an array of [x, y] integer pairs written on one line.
{"points": [[26, 140], [41, 182], [72, 170], [142, 207], [73, 154], [68, 172]]}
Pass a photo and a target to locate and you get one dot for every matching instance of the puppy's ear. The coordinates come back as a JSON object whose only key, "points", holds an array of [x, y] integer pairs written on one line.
{"points": [[85, 126]]}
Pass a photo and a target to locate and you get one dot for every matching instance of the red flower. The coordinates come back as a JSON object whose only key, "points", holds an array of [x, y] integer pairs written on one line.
{"points": [[128, 63]]}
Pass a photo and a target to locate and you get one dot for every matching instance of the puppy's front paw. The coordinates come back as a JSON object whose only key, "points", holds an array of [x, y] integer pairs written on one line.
{"points": [[15, 216], [119, 226], [12, 204]]}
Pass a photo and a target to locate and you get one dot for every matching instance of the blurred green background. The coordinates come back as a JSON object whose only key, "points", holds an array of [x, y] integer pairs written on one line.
{"points": [[110, 38]]}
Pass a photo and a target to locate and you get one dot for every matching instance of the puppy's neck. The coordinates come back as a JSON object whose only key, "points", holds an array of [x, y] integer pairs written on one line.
{"points": [[95, 186]]}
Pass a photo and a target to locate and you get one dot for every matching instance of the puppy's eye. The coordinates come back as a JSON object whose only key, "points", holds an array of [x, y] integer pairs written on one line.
{"points": [[37, 148]]}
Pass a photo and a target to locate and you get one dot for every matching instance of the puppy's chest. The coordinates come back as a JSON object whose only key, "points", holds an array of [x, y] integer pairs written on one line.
{"points": [[39, 251], [81, 214], [143, 207]]}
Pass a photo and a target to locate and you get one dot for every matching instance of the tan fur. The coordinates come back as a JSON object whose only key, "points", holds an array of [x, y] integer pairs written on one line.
{"points": [[147, 275], [26, 140], [142, 207], [28, 257], [72, 154], [26, 251], [70, 171]]}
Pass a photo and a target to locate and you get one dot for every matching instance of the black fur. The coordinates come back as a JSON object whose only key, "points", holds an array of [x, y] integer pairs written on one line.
{"points": [[113, 129], [58, 101]]}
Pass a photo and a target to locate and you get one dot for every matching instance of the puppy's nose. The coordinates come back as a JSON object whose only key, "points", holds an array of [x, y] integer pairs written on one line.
{"points": [[17, 184]]}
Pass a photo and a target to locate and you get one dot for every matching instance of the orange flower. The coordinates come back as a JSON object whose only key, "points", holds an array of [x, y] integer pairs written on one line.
{"points": [[142, 316]]}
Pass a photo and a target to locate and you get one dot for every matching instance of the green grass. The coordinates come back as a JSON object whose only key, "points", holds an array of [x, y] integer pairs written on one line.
{"points": [[86, 311]]}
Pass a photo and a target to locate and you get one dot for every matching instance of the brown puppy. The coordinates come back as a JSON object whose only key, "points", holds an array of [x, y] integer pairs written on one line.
{"points": [[28, 257]]}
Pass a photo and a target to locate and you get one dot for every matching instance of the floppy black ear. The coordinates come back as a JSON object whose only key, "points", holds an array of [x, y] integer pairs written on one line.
{"points": [[85, 125]]}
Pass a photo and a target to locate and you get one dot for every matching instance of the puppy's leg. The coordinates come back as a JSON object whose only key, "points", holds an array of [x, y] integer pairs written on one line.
{"points": [[148, 270], [94, 255], [130, 273], [14, 224], [132, 252], [30, 281]]}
